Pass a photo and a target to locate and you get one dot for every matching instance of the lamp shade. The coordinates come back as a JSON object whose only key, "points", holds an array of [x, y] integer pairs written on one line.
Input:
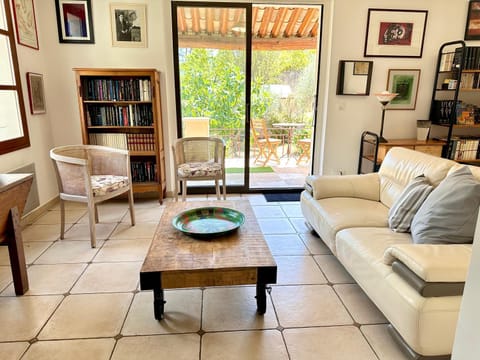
{"points": [[385, 97]]}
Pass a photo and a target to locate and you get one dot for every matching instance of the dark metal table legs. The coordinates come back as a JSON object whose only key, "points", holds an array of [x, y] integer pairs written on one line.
{"points": [[158, 303]]}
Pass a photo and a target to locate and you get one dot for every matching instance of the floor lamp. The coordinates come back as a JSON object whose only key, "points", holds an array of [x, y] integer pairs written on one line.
{"points": [[384, 98]]}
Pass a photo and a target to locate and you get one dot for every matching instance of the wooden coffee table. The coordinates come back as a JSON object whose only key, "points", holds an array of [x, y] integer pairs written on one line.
{"points": [[176, 260]]}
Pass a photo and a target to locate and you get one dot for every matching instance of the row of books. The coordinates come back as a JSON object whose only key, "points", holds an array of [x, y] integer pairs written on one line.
{"points": [[117, 89], [451, 61], [132, 142], [464, 149], [455, 112], [470, 81], [143, 171], [129, 115]]}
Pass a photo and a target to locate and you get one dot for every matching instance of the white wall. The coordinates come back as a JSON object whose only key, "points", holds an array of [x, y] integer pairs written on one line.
{"points": [[341, 119]]}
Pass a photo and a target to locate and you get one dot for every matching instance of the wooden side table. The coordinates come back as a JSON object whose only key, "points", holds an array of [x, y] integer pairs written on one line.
{"points": [[432, 147], [14, 189]]}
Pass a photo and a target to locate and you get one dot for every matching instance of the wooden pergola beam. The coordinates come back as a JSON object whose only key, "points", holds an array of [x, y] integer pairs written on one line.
{"points": [[238, 43]]}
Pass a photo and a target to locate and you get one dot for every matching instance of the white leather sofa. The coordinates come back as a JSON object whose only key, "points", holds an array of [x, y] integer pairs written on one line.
{"points": [[416, 286]]}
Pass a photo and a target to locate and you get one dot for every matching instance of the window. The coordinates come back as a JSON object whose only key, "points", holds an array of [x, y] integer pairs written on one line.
{"points": [[13, 125]]}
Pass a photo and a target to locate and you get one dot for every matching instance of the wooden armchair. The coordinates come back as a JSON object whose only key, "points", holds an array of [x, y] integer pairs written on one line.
{"points": [[266, 145], [91, 174], [199, 158]]}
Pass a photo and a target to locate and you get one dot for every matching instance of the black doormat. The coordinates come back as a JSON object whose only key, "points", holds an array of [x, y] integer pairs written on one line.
{"points": [[282, 196]]}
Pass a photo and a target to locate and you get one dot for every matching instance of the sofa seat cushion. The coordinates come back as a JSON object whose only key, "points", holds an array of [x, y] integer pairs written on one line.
{"points": [[328, 216], [426, 324]]}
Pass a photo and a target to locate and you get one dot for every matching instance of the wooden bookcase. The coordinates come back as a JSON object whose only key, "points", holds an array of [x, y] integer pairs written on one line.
{"points": [[455, 109], [121, 108]]}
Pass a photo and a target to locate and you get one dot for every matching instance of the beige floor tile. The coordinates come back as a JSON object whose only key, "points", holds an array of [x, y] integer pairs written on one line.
{"points": [[88, 316], [185, 346], [12, 351], [32, 251], [68, 252], [42, 232], [315, 244], [268, 211], [140, 231], [255, 199], [299, 225], [276, 226], [150, 202], [70, 205], [292, 209], [50, 279], [382, 343], [333, 269], [109, 277], [53, 217], [123, 250], [235, 309], [82, 231], [251, 345], [23, 317], [362, 309], [5, 276], [97, 349], [335, 343], [182, 313], [290, 244], [145, 214], [298, 270], [309, 305]]}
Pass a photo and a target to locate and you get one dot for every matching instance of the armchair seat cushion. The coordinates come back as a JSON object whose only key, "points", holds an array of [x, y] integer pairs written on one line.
{"points": [[104, 184], [198, 169]]}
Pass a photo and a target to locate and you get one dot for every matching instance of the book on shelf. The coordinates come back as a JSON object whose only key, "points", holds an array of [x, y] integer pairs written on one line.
{"points": [[133, 89], [119, 115], [464, 148]]}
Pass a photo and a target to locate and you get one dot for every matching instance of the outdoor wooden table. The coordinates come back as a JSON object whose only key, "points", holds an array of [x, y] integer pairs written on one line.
{"points": [[290, 127], [14, 189], [176, 260]]}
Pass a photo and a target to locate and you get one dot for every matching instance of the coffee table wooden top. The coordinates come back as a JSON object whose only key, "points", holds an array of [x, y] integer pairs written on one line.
{"points": [[235, 255]]}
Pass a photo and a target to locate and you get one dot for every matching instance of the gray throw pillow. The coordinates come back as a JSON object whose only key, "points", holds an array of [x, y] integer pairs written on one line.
{"points": [[406, 206], [449, 214]]}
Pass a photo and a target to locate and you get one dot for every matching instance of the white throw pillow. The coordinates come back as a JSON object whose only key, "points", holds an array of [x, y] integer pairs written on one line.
{"points": [[406, 206]]}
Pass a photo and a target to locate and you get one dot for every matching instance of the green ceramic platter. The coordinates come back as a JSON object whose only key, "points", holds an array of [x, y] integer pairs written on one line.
{"points": [[208, 222]]}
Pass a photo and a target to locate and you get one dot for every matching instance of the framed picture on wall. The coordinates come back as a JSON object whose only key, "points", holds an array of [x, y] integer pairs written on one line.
{"points": [[129, 25], [36, 94], [25, 24], [472, 29], [395, 33], [74, 21], [404, 82]]}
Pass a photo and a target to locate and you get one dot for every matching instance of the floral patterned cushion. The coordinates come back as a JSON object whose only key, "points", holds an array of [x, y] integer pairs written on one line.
{"points": [[195, 169], [104, 184]]}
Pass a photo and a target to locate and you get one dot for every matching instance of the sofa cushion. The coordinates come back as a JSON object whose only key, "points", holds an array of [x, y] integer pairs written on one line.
{"points": [[406, 206], [450, 213]]}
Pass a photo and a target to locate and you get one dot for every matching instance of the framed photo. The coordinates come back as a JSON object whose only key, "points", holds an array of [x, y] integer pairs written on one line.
{"points": [[129, 25], [472, 29], [36, 94], [395, 33], [404, 82], [26, 26], [74, 21]]}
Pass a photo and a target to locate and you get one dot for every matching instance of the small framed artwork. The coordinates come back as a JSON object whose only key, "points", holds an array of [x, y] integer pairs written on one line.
{"points": [[74, 21], [36, 94], [472, 29], [129, 25], [26, 26], [395, 33], [404, 82]]}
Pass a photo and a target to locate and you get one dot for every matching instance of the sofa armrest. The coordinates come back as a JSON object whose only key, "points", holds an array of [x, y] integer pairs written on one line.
{"points": [[432, 263], [365, 186]]}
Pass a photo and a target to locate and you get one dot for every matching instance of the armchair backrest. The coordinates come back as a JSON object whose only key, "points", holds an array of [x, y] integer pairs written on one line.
{"points": [[199, 149]]}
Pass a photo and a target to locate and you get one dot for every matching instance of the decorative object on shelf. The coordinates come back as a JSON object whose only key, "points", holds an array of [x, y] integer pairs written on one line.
{"points": [[423, 129], [472, 28], [354, 77], [129, 25], [74, 21], [207, 222], [384, 98], [26, 26], [403, 82], [395, 33], [36, 94]]}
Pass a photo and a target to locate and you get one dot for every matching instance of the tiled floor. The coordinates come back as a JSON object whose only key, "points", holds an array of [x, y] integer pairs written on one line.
{"points": [[85, 303]]}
